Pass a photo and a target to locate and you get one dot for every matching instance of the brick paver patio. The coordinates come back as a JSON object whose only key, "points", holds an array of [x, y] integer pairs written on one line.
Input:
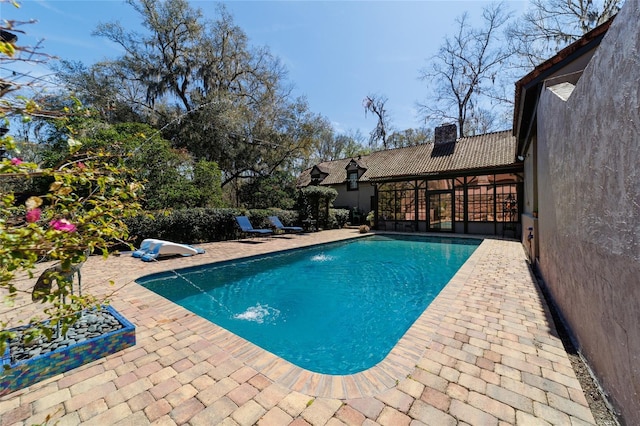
{"points": [[485, 352]]}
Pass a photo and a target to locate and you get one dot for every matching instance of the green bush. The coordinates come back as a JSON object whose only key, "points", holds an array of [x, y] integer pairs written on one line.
{"points": [[288, 217], [258, 218], [199, 225], [338, 218], [313, 203]]}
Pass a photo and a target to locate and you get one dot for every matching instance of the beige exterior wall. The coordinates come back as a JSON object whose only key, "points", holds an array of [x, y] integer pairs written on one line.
{"points": [[588, 149], [360, 198], [530, 203], [530, 237], [529, 220]]}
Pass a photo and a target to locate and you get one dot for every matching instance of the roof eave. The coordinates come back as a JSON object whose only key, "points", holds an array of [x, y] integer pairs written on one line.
{"points": [[528, 88], [445, 173]]}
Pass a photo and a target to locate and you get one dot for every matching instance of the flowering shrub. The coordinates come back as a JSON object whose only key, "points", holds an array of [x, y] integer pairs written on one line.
{"points": [[82, 213]]}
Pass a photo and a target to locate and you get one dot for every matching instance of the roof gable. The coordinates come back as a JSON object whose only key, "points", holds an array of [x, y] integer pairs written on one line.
{"points": [[356, 164], [319, 170]]}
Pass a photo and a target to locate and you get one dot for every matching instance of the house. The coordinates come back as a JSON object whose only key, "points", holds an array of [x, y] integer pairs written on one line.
{"points": [[577, 125], [471, 185]]}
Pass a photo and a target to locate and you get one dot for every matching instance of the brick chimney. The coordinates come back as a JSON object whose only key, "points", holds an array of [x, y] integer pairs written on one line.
{"points": [[445, 134]]}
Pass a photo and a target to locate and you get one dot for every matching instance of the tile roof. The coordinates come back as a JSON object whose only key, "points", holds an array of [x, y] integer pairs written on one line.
{"points": [[470, 153]]}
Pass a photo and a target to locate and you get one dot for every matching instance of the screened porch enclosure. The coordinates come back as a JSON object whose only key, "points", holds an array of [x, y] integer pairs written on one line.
{"points": [[473, 204]]}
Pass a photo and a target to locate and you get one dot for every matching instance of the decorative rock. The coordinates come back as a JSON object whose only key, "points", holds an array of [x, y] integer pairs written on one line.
{"points": [[91, 319], [101, 322]]}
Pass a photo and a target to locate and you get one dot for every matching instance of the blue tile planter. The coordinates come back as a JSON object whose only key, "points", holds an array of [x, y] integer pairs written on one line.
{"points": [[27, 372]]}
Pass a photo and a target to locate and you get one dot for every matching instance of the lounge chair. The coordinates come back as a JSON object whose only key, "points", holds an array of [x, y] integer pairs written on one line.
{"points": [[275, 221], [247, 228]]}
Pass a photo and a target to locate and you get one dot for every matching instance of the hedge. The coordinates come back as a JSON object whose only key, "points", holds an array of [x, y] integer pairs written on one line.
{"points": [[200, 225]]}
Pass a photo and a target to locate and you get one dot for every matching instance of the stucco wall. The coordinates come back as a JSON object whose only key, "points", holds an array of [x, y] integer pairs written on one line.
{"points": [[589, 209], [529, 184], [360, 198]]}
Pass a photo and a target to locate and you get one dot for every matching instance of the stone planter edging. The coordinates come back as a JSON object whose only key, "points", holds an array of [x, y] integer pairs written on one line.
{"points": [[27, 372]]}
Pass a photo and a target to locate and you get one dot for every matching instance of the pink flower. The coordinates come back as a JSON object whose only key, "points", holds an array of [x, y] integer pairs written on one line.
{"points": [[62, 225], [34, 215], [81, 165], [16, 161]]}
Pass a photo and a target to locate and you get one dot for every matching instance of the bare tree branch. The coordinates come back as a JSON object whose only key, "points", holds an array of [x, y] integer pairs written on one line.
{"points": [[376, 105], [462, 74], [549, 25]]}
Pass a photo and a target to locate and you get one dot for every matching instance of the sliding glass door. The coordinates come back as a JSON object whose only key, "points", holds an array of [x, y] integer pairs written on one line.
{"points": [[440, 211]]}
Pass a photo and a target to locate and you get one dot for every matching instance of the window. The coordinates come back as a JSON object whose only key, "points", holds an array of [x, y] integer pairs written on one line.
{"points": [[386, 207], [508, 203], [352, 181], [407, 204], [396, 201], [481, 203], [439, 185], [493, 198]]}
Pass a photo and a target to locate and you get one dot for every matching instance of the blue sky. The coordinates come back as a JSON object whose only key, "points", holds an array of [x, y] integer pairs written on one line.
{"points": [[336, 52]]}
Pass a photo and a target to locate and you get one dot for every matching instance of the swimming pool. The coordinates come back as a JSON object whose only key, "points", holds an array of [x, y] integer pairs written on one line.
{"points": [[333, 309]]}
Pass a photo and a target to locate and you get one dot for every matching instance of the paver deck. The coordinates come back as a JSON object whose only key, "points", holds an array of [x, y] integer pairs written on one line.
{"points": [[485, 352]]}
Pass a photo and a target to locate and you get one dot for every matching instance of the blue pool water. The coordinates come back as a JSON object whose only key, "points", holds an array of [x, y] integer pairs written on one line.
{"points": [[333, 309]]}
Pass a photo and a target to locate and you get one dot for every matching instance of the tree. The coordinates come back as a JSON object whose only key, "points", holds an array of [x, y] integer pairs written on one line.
{"points": [[326, 145], [410, 137], [13, 53], [462, 74], [314, 203], [275, 191], [106, 89], [375, 104], [549, 25], [163, 60], [323, 144], [484, 120], [185, 60], [207, 89], [206, 178], [172, 178], [351, 144]]}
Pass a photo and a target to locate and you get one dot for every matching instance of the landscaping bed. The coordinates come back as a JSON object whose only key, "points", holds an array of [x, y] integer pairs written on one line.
{"points": [[96, 334]]}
